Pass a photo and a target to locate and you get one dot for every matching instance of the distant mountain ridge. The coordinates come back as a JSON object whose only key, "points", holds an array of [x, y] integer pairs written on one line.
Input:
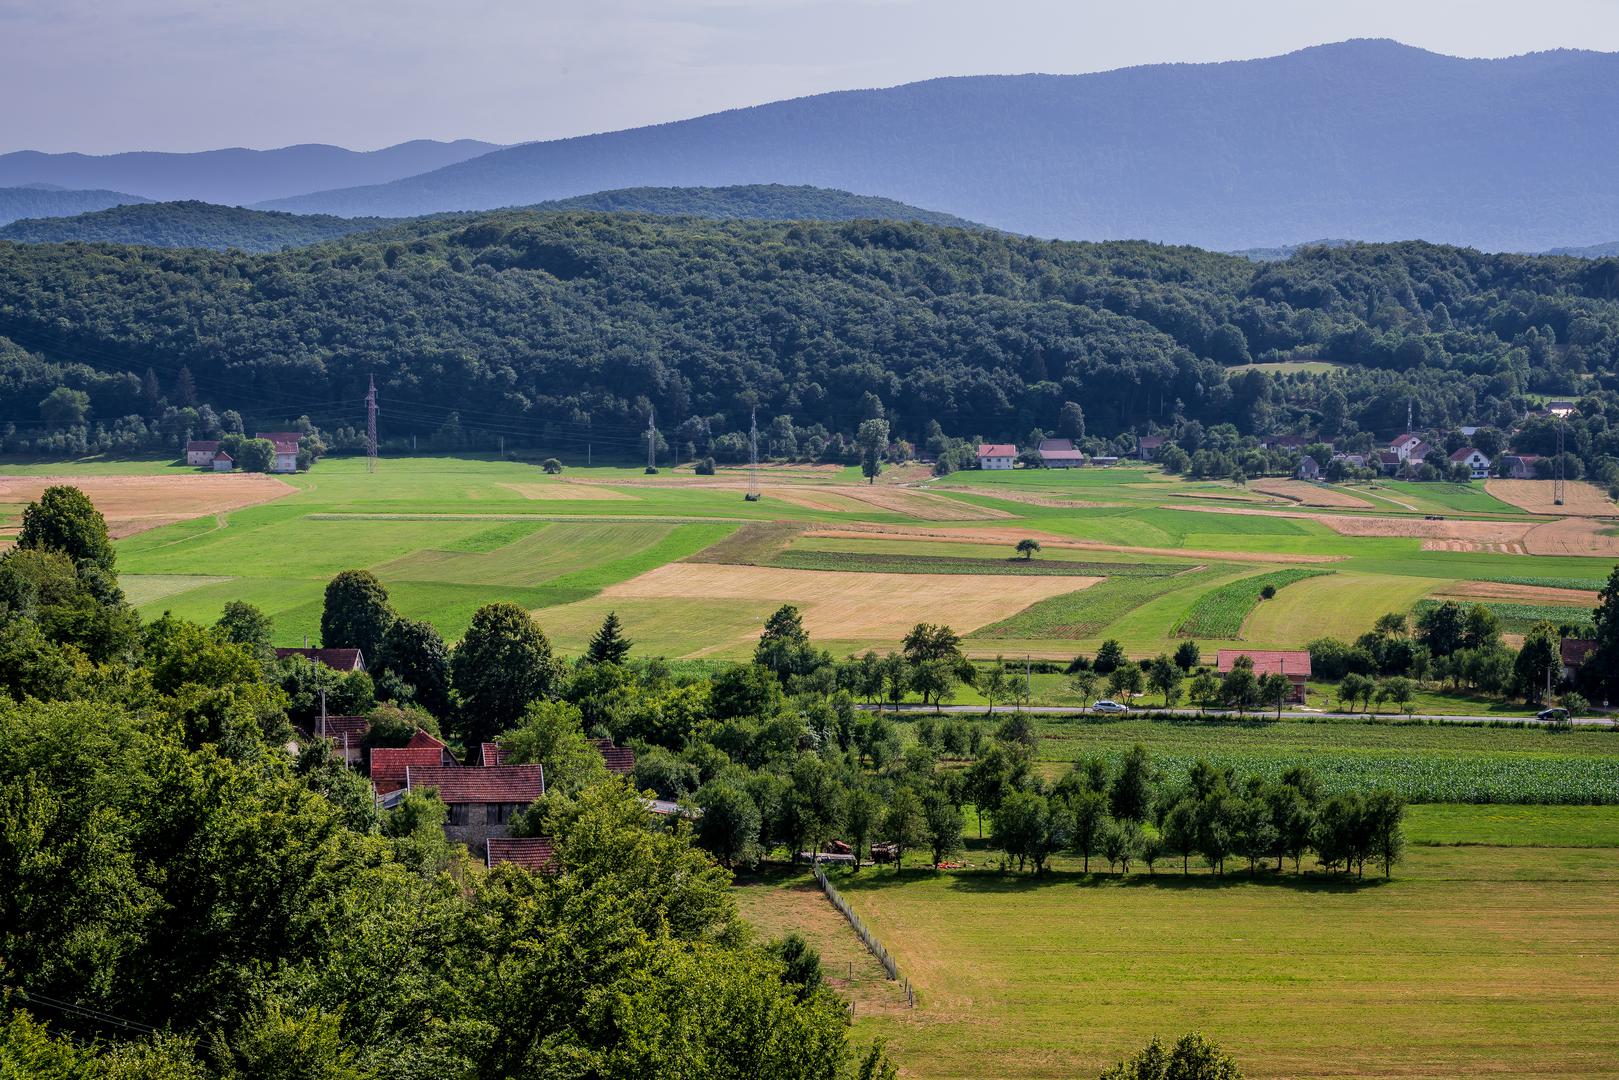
{"points": [[1370, 139], [236, 176], [49, 201], [205, 225]]}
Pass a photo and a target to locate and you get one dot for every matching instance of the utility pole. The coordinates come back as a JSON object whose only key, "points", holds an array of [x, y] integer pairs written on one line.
{"points": [[371, 427], [753, 456], [651, 441], [1557, 491]]}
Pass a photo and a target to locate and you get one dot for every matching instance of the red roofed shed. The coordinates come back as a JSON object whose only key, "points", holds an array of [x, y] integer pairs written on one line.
{"points": [[388, 764], [1294, 663]]}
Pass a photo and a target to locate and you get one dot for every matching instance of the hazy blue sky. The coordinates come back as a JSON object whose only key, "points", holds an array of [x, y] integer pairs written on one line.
{"points": [[105, 75]]}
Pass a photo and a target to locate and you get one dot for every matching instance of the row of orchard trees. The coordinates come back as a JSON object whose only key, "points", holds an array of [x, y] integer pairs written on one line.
{"points": [[1129, 813]]}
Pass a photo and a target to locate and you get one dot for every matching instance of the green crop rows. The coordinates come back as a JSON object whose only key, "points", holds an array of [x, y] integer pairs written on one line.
{"points": [[1088, 611], [1220, 612], [1522, 618], [1423, 762]]}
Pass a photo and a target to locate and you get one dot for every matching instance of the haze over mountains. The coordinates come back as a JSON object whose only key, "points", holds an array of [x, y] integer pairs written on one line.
{"points": [[235, 177], [51, 201], [1367, 140]]}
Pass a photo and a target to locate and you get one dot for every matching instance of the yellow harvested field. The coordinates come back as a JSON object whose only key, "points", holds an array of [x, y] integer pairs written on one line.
{"points": [[1580, 499], [851, 604], [133, 504], [1308, 494], [1573, 536], [566, 490], [1012, 536], [1524, 594], [923, 505]]}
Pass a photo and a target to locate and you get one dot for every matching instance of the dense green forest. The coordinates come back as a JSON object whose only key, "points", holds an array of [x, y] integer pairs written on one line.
{"points": [[208, 225], [553, 328], [189, 224]]}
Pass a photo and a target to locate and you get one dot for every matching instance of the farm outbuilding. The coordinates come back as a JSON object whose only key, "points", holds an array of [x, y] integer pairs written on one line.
{"points": [[1294, 663], [201, 452]]}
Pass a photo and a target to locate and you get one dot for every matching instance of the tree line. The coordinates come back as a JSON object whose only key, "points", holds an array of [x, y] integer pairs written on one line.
{"points": [[561, 329]]}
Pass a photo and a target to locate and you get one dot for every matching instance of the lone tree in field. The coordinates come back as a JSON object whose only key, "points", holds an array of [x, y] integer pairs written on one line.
{"points": [[1108, 657], [551, 465], [1027, 546], [784, 646], [873, 440], [65, 520], [357, 614], [414, 651], [609, 646], [502, 665]]}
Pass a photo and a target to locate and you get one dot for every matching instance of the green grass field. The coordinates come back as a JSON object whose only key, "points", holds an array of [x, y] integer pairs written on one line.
{"points": [[1494, 930]]}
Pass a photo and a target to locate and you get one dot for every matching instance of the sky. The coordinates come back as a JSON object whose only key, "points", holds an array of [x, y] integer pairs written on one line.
{"points": [[100, 76]]}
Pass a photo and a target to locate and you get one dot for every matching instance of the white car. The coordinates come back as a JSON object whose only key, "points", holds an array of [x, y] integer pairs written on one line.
{"points": [[1109, 706]]}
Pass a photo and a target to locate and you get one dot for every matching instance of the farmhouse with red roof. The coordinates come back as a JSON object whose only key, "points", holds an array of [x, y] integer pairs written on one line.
{"points": [[482, 802], [336, 659], [996, 455], [1294, 663]]}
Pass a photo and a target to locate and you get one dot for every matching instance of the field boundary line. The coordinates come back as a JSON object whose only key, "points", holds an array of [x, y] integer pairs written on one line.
{"points": [[624, 519], [883, 956]]}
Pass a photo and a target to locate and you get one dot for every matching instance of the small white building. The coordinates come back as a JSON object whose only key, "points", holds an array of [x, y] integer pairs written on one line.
{"points": [[223, 463], [1407, 445], [201, 452], [286, 449], [1308, 469], [996, 455], [1478, 465]]}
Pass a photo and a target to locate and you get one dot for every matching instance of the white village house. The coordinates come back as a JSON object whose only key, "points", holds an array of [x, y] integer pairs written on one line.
{"points": [[1477, 464], [996, 455]]}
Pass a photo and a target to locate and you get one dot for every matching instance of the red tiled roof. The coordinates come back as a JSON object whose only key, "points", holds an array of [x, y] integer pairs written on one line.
{"points": [[490, 753], [1405, 439], [1464, 453], [202, 446], [997, 450], [1048, 445], [422, 738], [1062, 455], [1290, 662], [537, 853], [340, 659], [1575, 650], [336, 728], [491, 784], [620, 759], [388, 763], [222, 456]]}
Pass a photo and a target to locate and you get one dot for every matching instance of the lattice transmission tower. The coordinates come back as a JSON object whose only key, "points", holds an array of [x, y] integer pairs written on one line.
{"points": [[652, 441], [371, 427]]}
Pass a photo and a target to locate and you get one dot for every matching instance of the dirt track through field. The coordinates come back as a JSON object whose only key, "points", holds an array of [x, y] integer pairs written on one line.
{"points": [[854, 604], [1580, 499], [133, 504], [1010, 537]]}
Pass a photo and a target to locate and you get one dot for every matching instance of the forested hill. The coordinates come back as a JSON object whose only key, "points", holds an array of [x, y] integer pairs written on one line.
{"points": [[44, 201], [190, 224], [1371, 140], [199, 224], [536, 324]]}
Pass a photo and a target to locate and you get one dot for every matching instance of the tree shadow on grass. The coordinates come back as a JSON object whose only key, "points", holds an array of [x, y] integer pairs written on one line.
{"points": [[1011, 881]]}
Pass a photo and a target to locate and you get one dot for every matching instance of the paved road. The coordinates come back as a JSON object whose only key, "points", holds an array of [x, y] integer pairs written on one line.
{"points": [[1287, 714]]}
